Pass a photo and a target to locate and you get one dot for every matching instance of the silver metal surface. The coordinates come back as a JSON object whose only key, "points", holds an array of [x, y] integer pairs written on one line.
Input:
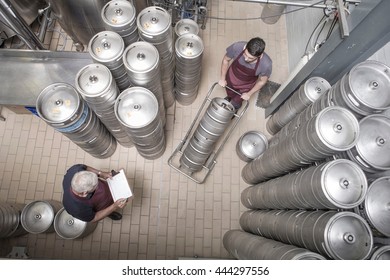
{"points": [[68, 227], [251, 145], [38, 216], [20, 67]]}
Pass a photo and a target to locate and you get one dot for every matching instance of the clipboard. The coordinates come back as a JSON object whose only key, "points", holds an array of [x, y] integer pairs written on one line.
{"points": [[119, 187]]}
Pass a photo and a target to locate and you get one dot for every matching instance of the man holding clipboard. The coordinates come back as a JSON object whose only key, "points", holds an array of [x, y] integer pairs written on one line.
{"points": [[87, 195]]}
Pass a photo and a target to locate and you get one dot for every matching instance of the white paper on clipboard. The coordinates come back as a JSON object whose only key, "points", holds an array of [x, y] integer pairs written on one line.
{"points": [[119, 186]]}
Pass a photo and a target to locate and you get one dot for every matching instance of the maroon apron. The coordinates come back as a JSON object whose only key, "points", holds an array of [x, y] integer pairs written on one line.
{"points": [[241, 79]]}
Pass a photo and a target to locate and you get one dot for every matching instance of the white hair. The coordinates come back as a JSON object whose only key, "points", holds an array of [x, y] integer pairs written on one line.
{"points": [[84, 181]]}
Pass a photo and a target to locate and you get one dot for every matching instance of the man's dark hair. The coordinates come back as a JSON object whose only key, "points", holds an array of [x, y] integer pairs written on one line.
{"points": [[255, 46]]}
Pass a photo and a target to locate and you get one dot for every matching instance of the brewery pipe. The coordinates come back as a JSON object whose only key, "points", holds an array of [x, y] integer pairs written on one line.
{"points": [[14, 21]]}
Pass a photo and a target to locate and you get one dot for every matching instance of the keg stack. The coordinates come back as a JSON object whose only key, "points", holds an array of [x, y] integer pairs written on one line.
{"points": [[211, 127], [68, 227], [97, 87], [138, 111], [120, 16], [331, 131], [337, 184], [188, 56], [155, 27], [307, 93], [336, 235], [107, 48], [245, 246], [10, 220], [61, 107], [142, 63]]}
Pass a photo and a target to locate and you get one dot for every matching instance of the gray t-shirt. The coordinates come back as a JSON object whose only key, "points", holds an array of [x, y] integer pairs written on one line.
{"points": [[265, 65]]}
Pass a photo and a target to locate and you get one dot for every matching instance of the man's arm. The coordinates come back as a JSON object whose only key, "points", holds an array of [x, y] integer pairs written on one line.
{"points": [[261, 81], [120, 203], [224, 68]]}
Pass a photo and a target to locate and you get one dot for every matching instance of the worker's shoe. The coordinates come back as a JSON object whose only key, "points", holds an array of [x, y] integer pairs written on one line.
{"points": [[115, 216]]}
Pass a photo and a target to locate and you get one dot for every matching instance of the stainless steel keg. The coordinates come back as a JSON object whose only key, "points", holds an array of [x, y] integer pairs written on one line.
{"points": [[331, 131], [120, 16], [107, 48], [372, 150], [60, 106], [38, 216], [142, 63], [211, 127], [332, 185], [364, 89], [188, 54], [337, 235], [380, 252], [246, 246], [307, 93], [155, 27], [68, 227], [10, 220], [138, 111], [184, 26], [251, 145], [97, 87], [376, 206]]}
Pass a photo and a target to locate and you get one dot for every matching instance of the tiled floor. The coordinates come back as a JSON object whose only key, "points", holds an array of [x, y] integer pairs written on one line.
{"points": [[170, 215]]}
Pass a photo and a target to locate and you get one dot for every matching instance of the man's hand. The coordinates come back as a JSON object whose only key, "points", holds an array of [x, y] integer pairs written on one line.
{"points": [[222, 83], [120, 203], [245, 96]]}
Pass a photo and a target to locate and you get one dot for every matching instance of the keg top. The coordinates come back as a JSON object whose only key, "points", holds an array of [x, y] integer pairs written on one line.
{"points": [[314, 87], [344, 183], [377, 205], [189, 46], [67, 226], [141, 57], [58, 103], [37, 216], [106, 46], [136, 107], [373, 145], [93, 79], [186, 25], [153, 21], [337, 128], [253, 144], [370, 82], [347, 236], [119, 13]]}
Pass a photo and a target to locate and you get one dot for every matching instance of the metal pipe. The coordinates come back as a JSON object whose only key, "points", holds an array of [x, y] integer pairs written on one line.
{"points": [[299, 4], [13, 20], [44, 25]]}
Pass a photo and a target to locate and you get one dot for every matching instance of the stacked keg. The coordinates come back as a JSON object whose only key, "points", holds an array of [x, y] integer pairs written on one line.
{"points": [[331, 131], [142, 62], [372, 150], [338, 184], [185, 26], [107, 48], [307, 93], [375, 208], [68, 227], [213, 124], [154, 26], [138, 111], [38, 216], [380, 252], [246, 246], [337, 235], [10, 220], [188, 54], [61, 107], [120, 16], [97, 87], [251, 145]]}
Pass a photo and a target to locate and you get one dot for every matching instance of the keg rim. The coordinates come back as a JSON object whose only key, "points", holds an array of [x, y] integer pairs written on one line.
{"points": [[151, 47], [63, 214], [127, 4], [155, 9], [30, 206], [186, 22], [193, 38], [79, 74], [379, 252], [113, 35]]}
